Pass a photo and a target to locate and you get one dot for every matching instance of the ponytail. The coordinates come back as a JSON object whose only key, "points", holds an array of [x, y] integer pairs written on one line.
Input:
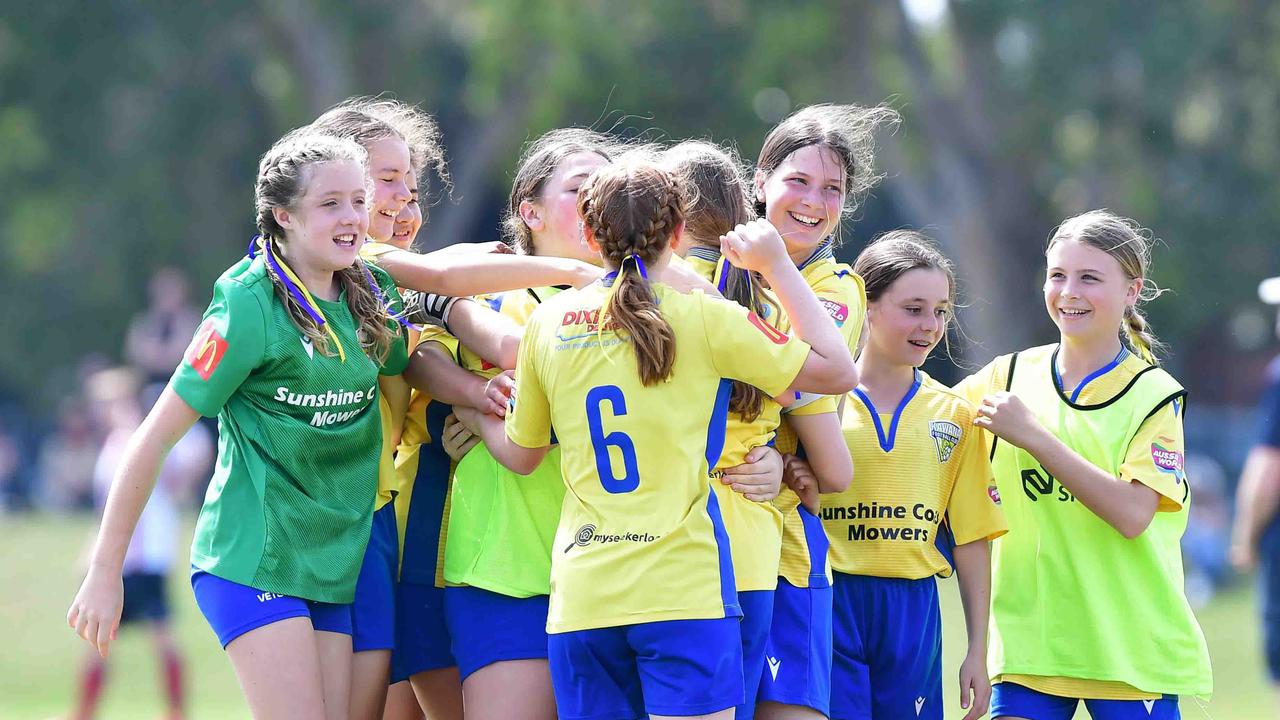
{"points": [[632, 210]]}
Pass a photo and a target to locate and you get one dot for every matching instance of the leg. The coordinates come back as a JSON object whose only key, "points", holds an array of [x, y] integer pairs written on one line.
{"points": [[278, 667], [510, 689], [370, 677], [373, 627], [769, 710], [171, 666], [92, 673], [334, 651], [401, 703], [439, 693]]}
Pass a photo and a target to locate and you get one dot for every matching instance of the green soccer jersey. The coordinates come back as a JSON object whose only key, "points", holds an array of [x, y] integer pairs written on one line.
{"points": [[291, 500]]}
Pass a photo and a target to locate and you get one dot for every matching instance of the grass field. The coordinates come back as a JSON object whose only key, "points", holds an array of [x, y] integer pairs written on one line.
{"points": [[42, 566]]}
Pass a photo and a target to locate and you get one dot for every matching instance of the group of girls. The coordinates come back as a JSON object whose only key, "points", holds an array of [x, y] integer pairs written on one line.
{"points": [[717, 483]]}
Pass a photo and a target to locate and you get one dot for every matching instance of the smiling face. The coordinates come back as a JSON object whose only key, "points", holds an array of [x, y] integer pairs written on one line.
{"points": [[324, 229], [804, 197], [409, 221], [553, 217], [391, 173], [910, 317], [1086, 291]]}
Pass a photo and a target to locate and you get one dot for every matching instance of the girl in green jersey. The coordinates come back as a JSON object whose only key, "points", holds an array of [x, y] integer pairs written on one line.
{"points": [[1087, 600], [287, 358]]}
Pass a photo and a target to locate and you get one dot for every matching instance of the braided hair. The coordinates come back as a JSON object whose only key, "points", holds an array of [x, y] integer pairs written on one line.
{"points": [[632, 210], [715, 183], [1130, 244]]}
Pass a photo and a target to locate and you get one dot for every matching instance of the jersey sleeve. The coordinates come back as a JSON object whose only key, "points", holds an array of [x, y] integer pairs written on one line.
{"points": [[973, 510], [432, 333], [529, 418], [815, 405], [1155, 456], [742, 346], [397, 358], [843, 296], [228, 345], [982, 383]]}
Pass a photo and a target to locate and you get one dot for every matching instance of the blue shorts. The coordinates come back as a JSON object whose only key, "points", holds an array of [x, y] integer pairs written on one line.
{"points": [[676, 667], [1269, 597], [1012, 700], [887, 660], [798, 652], [487, 627], [757, 616], [422, 637], [373, 613], [233, 609], [145, 598]]}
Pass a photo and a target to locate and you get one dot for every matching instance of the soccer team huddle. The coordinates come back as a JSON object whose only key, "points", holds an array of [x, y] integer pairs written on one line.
{"points": [[660, 454]]}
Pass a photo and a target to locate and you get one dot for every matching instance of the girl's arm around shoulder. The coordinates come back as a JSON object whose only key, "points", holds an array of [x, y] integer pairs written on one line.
{"points": [[463, 274], [95, 612]]}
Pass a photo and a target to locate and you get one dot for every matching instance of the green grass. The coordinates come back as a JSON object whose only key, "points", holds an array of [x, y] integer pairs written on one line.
{"points": [[42, 566]]}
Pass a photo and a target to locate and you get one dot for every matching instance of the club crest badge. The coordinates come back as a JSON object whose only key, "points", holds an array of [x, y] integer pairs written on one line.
{"points": [[946, 435]]}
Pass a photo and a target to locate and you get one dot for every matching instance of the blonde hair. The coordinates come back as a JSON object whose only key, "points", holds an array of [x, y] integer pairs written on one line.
{"points": [[418, 129], [1130, 244], [283, 175], [633, 209]]}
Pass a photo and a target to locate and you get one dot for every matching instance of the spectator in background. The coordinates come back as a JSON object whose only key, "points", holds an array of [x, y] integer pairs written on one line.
{"points": [[1256, 537], [67, 457], [12, 492], [159, 335], [113, 396]]}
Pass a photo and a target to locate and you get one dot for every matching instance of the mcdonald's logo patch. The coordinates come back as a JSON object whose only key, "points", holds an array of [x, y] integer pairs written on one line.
{"points": [[777, 336], [206, 350]]}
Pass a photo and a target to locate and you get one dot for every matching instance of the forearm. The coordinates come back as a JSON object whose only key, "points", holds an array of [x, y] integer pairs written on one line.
{"points": [[1126, 506], [809, 320], [517, 458], [824, 450], [1258, 497], [466, 274], [434, 372], [491, 335], [973, 574]]}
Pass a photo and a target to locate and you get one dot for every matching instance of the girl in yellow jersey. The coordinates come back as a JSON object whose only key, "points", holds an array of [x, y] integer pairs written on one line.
{"points": [[643, 606], [718, 202], [815, 166], [924, 483], [1087, 600]]}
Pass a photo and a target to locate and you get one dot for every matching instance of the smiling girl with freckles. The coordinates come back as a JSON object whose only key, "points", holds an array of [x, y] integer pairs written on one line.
{"points": [[278, 545], [814, 166], [1087, 599]]}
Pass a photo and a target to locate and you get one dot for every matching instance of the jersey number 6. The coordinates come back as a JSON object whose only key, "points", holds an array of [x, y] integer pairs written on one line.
{"points": [[600, 442]]}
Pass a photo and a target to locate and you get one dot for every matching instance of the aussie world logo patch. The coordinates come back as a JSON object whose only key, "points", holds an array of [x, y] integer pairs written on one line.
{"points": [[994, 493], [1168, 461], [946, 435], [838, 311]]}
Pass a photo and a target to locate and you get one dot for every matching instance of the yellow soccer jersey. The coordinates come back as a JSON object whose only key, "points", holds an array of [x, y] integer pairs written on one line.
{"points": [[755, 529], [923, 481], [843, 294], [421, 521], [841, 291], [640, 536], [1153, 458]]}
